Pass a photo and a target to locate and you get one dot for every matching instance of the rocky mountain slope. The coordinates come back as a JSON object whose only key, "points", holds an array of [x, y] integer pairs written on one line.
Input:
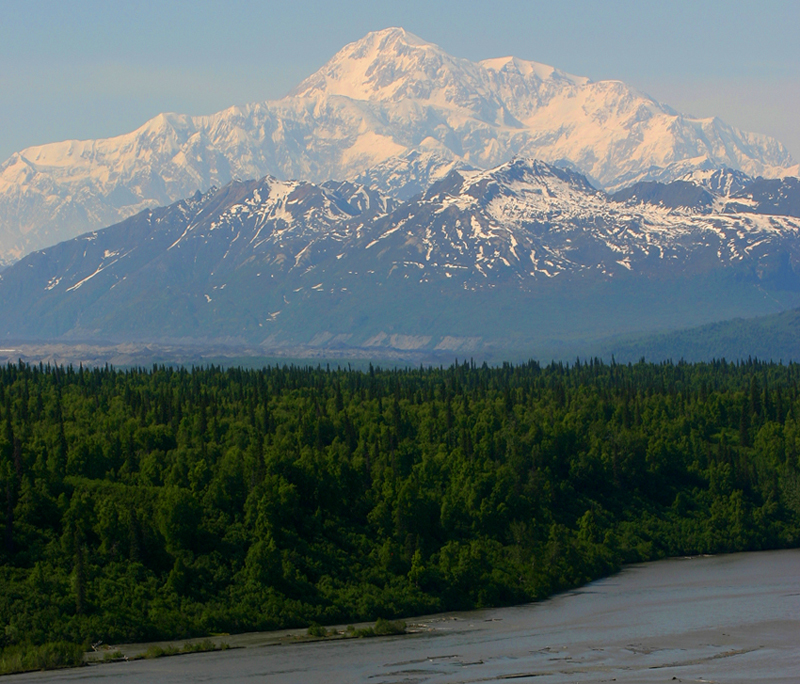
{"points": [[390, 111], [722, 192], [517, 256]]}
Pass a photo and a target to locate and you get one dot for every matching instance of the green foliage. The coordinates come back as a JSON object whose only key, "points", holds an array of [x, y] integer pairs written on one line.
{"points": [[316, 630], [50, 656], [204, 646], [387, 627], [381, 628], [774, 336], [156, 651], [166, 504]]}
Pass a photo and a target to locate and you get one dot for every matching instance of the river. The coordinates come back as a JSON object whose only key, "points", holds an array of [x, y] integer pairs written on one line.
{"points": [[729, 619]]}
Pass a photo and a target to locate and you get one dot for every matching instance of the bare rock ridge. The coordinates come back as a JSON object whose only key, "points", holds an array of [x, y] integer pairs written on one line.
{"points": [[523, 254], [391, 111]]}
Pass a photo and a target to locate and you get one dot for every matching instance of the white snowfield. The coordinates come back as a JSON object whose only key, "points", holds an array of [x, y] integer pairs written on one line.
{"points": [[390, 110]]}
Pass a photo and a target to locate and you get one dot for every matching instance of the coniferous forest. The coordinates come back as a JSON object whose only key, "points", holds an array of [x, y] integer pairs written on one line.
{"points": [[151, 504]]}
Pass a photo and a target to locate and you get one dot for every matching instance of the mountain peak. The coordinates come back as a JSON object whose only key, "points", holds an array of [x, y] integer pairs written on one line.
{"points": [[518, 177], [391, 64], [530, 172], [395, 34], [527, 69], [724, 181]]}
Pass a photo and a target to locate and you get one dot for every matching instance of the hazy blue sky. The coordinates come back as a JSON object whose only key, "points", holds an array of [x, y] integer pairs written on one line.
{"points": [[87, 69]]}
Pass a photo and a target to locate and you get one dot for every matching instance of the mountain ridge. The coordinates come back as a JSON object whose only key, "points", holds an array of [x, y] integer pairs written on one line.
{"points": [[390, 109], [774, 337], [511, 258]]}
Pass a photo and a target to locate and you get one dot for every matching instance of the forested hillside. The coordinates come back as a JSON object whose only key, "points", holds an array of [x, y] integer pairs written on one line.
{"points": [[164, 503], [774, 336]]}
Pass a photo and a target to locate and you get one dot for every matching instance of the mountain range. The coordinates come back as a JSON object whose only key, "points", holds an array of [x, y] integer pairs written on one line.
{"points": [[390, 112], [523, 256]]}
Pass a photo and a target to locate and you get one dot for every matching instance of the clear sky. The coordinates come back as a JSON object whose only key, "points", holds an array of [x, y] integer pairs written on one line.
{"points": [[89, 69]]}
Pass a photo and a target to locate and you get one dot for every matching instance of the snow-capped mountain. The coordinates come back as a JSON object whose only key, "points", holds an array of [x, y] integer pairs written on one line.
{"points": [[520, 253], [389, 110], [723, 192], [528, 221], [722, 182]]}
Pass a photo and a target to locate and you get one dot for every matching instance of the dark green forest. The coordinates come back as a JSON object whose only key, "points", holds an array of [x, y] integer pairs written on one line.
{"points": [[166, 503]]}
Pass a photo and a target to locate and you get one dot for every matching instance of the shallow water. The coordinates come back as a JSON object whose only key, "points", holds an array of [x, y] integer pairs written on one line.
{"points": [[726, 619]]}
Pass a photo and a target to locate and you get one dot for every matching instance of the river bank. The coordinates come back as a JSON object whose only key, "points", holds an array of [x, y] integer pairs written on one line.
{"points": [[732, 618], [103, 653]]}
